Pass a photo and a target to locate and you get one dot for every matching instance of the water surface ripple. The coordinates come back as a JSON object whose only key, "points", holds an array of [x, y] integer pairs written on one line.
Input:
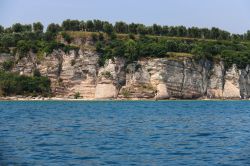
{"points": [[125, 133]]}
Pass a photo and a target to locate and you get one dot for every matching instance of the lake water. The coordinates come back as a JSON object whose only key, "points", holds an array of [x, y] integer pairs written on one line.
{"points": [[125, 133]]}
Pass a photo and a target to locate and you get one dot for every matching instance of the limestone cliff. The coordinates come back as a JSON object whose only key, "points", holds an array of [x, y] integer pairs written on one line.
{"points": [[152, 78]]}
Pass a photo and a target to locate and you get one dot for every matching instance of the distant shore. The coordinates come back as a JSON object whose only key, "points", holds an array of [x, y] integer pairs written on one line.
{"points": [[29, 98]]}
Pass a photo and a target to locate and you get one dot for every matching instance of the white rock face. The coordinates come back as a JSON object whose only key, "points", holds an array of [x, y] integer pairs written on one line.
{"points": [[216, 81], [71, 73], [79, 73], [110, 79], [105, 91], [158, 78], [162, 92], [163, 78], [245, 82], [232, 86], [26, 65]]}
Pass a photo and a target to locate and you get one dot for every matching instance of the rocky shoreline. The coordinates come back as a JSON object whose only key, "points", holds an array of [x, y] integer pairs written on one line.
{"points": [[30, 98]]}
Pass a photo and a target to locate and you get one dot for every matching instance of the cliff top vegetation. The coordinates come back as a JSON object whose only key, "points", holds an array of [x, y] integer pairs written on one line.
{"points": [[132, 41]]}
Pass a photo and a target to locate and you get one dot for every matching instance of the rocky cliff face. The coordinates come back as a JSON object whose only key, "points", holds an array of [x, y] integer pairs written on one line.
{"points": [[161, 78]]}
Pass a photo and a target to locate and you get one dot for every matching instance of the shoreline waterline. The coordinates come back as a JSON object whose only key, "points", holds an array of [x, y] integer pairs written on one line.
{"points": [[132, 99]]}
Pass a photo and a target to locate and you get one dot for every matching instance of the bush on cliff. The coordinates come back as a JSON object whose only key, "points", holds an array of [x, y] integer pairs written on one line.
{"points": [[66, 37], [7, 65], [231, 52], [14, 84]]}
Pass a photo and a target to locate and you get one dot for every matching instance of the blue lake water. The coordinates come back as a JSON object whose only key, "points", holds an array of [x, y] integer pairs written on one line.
{"points": [[125, 133]]}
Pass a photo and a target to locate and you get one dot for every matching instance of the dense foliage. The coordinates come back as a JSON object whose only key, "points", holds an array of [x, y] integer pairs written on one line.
{"points": [[141, 40], [25, 38], [133, 28], [14, 84], [133, 48]]}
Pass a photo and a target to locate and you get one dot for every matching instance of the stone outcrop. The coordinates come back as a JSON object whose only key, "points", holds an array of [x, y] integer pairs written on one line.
{"points": [[245, 83], [216, 81], [162, 92], [163, 78], [154, 78], [232, 85], [111, 78]]}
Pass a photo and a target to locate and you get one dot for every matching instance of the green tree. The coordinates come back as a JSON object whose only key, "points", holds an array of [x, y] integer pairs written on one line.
{"points": [[38, 27], [224, 35], [121, 27], [23, 46], [194, 32], [132, 28], [8, 30], [17, 27], [98, 25], [181, 31], [53, 28], [21, 28], [1, 29], [90, 25], [27, 28], [75, 25], [71, 25], [7, 40], [108, 28], [156, 29], [247, 35], [82, 26], [235, 37], [172, 31], [66, 25], [215, 33], [130, 50], [165, 30], [141, 29], [205, 33]]}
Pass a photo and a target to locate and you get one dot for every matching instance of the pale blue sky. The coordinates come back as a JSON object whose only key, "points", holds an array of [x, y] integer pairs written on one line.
{"points": [[231, 15]]}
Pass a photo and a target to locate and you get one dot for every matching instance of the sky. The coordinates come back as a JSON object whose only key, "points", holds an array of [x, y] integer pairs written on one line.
{"points": [[230, 15]]}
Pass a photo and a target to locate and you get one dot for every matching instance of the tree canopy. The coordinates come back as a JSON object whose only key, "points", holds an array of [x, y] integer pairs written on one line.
{"points": [[132, 28], [38, 27], [141, 40]]}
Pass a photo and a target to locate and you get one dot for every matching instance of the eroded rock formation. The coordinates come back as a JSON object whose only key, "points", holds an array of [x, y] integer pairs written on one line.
{"points": [[159, 78]]}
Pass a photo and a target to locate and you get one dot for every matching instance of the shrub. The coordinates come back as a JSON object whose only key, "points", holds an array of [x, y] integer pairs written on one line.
{"points": [[66, 37], [8, 65], [107, 75], [14, 84], [101, 60], [67, 48], [36, 73], [101, 37], [73, 62], [94, 37], [77, 95], [23, 46], [126, 93]]}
